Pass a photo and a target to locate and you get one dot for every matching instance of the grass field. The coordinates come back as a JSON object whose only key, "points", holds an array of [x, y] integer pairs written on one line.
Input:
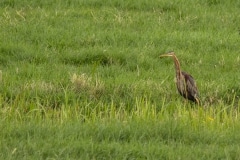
{"points": [[83, 79]]}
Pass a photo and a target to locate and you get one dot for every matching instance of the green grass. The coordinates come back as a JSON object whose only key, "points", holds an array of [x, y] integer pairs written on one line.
{"points": [[82, 79]]}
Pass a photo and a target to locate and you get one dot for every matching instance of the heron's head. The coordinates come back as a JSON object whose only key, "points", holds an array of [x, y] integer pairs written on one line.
{"points": [[169, 54]]}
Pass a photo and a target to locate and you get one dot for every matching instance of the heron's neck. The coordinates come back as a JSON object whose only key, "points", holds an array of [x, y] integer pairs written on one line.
{"points": [[177, 67]]}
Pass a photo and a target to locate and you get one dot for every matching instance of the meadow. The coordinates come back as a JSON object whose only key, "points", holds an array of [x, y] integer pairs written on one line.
{"points": [[83, 79]]}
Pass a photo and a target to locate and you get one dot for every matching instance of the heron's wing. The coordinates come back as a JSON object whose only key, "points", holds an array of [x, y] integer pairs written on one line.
{"points": [[192, 88], [190, 85]]}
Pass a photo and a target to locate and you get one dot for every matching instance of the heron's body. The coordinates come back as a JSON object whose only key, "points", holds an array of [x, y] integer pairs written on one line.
{"points": [[187, 87], [185, 83]]}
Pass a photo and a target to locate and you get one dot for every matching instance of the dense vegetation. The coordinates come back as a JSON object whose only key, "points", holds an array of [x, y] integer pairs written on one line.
{"points": [[82, 79]]}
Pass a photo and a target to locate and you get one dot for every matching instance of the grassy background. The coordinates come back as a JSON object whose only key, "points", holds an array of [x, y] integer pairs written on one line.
{"points": [[82, 79]]}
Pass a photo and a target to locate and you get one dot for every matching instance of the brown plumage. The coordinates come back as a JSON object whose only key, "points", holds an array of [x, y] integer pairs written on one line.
{"points": [[185, 83]]}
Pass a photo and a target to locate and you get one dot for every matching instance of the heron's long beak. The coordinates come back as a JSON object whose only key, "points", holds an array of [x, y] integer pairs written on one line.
{"points": [[165, 55]]}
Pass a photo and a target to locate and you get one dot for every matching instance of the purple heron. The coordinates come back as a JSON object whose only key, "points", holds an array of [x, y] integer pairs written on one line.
{"points": [[185, 83]]}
